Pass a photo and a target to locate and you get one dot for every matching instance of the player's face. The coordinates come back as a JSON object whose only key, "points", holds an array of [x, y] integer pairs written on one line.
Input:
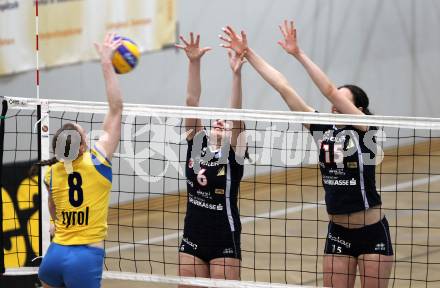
{"points": [[347, 93], [220, 128]]}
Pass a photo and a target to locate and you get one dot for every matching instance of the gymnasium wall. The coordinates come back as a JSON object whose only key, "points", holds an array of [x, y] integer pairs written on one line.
{"points": [[390, 48]]}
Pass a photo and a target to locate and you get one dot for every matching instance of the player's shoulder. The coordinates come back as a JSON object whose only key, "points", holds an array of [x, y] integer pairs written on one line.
{"points": [[98, 157], [100, 163]]}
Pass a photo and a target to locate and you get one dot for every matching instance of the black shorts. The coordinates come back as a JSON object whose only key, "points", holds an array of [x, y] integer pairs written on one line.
{"points": [[370, 239], [209, 247]]}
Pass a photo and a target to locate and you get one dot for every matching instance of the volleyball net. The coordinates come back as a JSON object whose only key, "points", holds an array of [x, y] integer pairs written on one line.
{"points": [[281, 200]]}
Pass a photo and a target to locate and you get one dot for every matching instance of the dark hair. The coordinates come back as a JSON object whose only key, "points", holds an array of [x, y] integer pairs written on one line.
{"points": [[360, 98], [68, 126]]}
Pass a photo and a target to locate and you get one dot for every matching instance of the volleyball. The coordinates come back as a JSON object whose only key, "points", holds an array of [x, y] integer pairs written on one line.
{"points": [[126, 57]]}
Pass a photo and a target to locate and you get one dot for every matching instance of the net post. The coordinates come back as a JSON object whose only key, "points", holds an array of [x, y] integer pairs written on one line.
{"points": [[44, 154], [2, 137]]}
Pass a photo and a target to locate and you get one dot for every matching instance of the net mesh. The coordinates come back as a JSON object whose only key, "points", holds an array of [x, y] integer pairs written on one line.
{"points": [[20, 193], [281, 200]]}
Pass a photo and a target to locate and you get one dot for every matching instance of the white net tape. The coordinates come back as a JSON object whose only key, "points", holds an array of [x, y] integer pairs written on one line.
{"points": [[22, 271], [174, 280], [230, 114], [200, 282]]}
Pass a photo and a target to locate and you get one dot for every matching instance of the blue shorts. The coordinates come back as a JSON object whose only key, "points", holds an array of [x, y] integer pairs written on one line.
{"points": [[72, 266]]}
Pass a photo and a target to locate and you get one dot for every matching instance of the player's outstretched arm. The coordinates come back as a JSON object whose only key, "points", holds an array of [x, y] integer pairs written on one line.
{"points": [[194, 86], [321, 80], [272, 76], [109, 141], [236, 62]]}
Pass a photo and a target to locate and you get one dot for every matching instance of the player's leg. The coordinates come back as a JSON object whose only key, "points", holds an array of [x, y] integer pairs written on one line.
{"points": [[375, 270], [192, 266], [376, 259], [339, 271], [340, 259], [192, 257], [225, 256], [50, 272], [84, 267], [225, 268]]}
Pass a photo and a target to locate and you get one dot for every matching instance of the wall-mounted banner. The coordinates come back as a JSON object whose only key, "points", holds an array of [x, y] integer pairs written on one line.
{"points": [[68, 29]]}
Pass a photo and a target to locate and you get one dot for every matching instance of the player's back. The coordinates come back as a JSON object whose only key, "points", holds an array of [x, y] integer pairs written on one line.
{"points": [[81, 197]]}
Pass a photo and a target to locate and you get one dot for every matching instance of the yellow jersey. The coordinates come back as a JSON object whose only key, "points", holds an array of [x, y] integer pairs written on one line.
{"points": [[81, 194]]}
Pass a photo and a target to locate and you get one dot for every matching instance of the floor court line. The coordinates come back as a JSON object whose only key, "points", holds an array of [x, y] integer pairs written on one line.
{"points": [[273, 214]]}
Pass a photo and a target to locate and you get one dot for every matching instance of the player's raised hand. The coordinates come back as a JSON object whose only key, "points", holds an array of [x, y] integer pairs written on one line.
{"points": [[108, 47], [233, 41], [235, 61], [192, 48], [290, 43]]}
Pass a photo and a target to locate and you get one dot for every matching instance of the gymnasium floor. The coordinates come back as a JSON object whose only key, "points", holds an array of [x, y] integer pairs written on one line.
{"points": [[294, 226]]}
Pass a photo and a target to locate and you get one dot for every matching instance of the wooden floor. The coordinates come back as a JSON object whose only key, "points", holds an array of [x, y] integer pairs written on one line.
{"points": [[284, 243]]}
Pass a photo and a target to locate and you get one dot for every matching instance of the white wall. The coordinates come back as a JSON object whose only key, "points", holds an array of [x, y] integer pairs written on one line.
{"points": [[390, 48]]}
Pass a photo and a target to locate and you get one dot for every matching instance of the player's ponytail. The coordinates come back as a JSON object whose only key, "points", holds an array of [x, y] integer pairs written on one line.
{"points": [[36, 167]]}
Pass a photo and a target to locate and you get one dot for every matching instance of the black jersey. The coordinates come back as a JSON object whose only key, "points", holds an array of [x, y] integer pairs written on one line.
{"points": [[348, 176], [213, 188]]}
